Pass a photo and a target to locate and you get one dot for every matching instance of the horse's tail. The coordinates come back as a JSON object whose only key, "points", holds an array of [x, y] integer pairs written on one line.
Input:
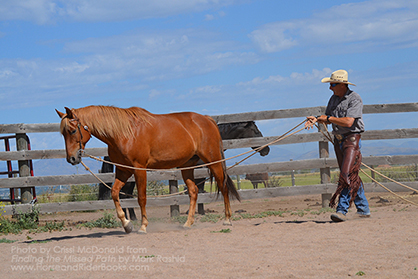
{"points": [[230, 186], [228, 183]]}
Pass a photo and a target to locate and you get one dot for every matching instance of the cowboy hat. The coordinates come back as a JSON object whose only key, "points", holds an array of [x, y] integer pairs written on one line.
{"points": [[340, 76]]}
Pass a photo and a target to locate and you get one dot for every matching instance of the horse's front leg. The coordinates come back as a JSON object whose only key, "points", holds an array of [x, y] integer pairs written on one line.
{"points": [[119, 183], [141, 186], [188, 178]]}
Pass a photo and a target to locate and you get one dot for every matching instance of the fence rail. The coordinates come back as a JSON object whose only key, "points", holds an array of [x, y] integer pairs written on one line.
{"points": [[323, 163]]}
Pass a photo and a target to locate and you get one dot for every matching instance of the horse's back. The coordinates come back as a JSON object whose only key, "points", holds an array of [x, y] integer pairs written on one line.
{"points": [[195, 124], [171, 140]]}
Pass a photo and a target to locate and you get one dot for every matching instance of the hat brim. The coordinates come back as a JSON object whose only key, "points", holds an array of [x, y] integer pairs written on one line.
{"points": [[329, 80]]}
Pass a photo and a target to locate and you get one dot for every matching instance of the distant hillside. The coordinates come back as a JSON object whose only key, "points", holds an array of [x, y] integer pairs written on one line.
{"points": [[369, 149], [61, 167]]}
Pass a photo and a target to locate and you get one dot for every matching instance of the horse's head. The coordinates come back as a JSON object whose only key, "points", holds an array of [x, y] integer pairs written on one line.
{"points": [[242, 130], [76, 135], [254, 132]]}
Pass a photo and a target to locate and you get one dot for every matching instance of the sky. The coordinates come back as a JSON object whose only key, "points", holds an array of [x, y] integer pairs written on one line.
{"points": [[209, 56]]}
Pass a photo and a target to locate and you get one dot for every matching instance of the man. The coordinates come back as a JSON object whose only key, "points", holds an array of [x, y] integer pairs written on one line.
{"points": [[344, 111]]}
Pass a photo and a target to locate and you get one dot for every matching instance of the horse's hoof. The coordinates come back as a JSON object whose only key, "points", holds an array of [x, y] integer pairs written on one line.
{"points": [[187, 226], [129, 227], [142, 232], [227, 223]]}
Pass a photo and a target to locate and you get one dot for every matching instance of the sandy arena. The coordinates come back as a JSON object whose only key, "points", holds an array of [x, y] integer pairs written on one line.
{"points": [[299, 244]]}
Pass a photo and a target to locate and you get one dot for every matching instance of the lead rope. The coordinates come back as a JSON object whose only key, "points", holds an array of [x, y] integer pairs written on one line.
{"points": [[285, 135], [104, 183], [329, 137]]}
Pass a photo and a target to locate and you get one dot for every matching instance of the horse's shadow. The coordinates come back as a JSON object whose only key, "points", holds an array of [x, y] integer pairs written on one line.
{"points": [[91, 235], [298, 222]]}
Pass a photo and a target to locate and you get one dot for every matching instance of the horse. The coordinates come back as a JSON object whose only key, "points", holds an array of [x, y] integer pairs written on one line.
{"points": [[241, 130], [256, 178], [237, 130], [128, 189], [234, 130], [139, 140]]}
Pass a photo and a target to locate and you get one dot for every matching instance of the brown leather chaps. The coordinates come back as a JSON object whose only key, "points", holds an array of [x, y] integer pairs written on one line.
{"points": [[348, 156]]}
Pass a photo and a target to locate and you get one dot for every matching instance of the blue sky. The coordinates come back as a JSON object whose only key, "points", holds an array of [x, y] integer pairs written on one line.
{"points": [[208, 56]]}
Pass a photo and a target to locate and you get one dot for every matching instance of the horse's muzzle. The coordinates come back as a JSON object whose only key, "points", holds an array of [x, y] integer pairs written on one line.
{"points": [[74, 160], [265, 151]]}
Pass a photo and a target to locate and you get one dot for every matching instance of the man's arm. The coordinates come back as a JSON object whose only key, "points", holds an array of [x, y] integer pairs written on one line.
{"points": [[343, 121]]}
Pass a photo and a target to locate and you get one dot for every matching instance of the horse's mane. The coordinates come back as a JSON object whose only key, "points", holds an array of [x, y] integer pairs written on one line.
{"points": [[110, 121]]}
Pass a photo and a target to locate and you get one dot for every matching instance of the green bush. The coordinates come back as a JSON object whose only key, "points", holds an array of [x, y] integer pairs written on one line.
{"points": [[275, 181], [155, 188], [23, 221]]}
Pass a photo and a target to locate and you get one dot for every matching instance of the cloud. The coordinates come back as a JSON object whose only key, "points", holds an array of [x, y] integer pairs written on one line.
{"points": [[363, 26], [105, 65], [49, 11], [295, 78], [275, 37], [160, 55], [210, 17]]}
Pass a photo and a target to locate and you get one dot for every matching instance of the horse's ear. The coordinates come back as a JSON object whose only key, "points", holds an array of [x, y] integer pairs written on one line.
{"points": [[60, 114], [70, 113]]}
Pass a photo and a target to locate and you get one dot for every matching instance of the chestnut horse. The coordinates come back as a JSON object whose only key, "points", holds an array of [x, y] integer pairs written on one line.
{"points": [[140, 139]]}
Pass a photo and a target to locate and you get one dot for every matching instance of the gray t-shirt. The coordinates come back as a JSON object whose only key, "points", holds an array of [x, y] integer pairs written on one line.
{"points": [[351, 105]]}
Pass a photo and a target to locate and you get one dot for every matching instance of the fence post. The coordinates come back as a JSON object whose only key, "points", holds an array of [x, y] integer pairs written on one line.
{"points": [[324, 172], [373, 174], [174, 188], [24, 168]]}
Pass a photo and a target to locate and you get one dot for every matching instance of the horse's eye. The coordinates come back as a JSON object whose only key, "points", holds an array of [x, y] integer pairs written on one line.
{"points": [[73, 132]]}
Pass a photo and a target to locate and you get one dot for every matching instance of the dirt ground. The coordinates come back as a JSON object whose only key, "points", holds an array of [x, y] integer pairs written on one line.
{"points": [[301, 243]]}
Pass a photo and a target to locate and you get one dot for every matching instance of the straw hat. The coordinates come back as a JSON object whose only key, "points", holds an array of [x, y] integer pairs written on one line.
{"points": [[340, 76]]}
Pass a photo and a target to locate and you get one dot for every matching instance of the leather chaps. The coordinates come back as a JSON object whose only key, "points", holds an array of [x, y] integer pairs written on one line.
{"points": [[347, 151]]}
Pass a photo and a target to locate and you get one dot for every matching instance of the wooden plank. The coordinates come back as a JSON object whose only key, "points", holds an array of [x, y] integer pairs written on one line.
{"points": [[199, 173], [204, 198], [74, 179], [269, 114], [29, 128], [390, 108], [228, 144], [390, 134], [236, 117], [46, 154]]}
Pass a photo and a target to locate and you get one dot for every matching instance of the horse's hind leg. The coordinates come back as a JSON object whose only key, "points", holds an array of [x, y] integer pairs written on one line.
{"points": [[219, 174], [188, 178]]}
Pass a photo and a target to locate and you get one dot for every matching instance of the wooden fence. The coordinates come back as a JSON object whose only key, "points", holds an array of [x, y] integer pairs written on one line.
{"points": [[323, 162]]}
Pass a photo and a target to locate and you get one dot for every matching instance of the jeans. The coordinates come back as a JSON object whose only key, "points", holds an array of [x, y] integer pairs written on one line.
{"points": [[360, 202]]}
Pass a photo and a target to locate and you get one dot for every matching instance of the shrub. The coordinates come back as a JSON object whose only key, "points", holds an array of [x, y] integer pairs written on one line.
{"points": [[274, 181], [23, 221], [155, 188]]}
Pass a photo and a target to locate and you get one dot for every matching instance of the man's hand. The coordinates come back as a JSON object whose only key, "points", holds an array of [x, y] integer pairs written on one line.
{"points": [[310, 122]]}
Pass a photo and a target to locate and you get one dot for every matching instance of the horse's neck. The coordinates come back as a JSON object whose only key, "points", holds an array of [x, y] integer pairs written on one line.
{"points": [[88, 120]]}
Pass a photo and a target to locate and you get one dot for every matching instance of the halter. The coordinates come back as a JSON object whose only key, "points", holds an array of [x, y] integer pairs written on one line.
{"points": [[79, 131]]}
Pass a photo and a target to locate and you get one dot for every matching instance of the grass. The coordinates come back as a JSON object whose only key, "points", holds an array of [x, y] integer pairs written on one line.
{"points": [[30, 221], [213, 218], [27, 221], [107, 221], [4, 240], [222, 231], [360, 273]]}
